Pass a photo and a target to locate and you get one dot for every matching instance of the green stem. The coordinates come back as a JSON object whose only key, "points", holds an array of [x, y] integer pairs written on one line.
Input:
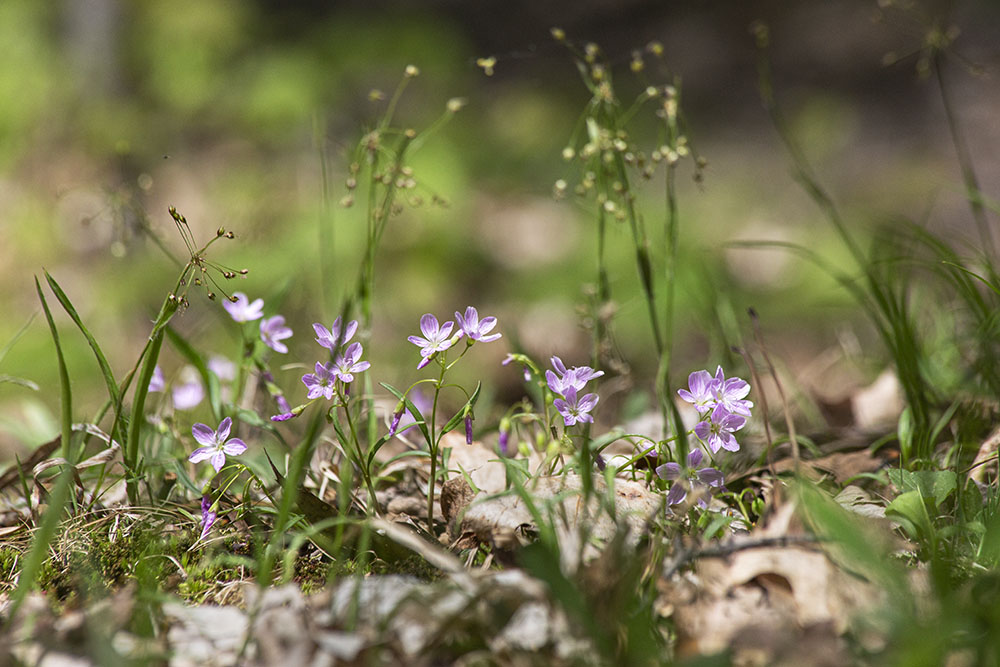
{"points": [[357, 455], [434, 447]]}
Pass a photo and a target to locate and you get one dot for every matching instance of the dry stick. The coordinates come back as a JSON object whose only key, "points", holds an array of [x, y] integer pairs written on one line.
{"points": [[789, 422], [722, 550], [755, 376]]}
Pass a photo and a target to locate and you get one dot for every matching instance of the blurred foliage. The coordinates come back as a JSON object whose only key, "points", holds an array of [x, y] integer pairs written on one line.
{"points": [[228, 111]]}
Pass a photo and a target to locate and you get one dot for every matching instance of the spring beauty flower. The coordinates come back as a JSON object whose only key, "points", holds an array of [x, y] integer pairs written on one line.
{"points": [[564, 378], [320, 383], [700, 391], [187, 395], [333, 338], [470, 325], [693, 476], [436, 338], [706, 392], [731, 392], [717, 431], [575, 409], [347, 363], [241, 310], [273, 331], [215, 444], [224, 369]]}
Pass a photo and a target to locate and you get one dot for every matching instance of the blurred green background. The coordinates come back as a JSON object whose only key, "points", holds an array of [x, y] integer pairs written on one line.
{"points": [[111, 111]]}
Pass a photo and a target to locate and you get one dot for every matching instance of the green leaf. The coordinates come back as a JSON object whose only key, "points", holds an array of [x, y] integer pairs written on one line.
{"points": [[130, 456], [460, 415], [65, 392], [904, 430], [718, 523], [251, 418], [109, 378], [936, 484], [373, 450], [60, 493], [911, 511], [944, 482]]}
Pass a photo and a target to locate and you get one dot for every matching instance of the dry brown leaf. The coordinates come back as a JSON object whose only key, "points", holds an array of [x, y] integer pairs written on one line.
{"points": [[792, 590], [842, 466], [456, 494]]}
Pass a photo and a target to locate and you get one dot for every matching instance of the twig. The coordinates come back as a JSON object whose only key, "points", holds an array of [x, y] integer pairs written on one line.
{"points": [[789, 422], [722, 550]]}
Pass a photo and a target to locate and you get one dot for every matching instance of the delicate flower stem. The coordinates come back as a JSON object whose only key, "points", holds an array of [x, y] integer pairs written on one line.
{"points": [[357, 454], [434, 447]]}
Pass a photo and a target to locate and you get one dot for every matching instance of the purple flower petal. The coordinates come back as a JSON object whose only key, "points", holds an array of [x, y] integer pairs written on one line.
{"points": [[223, 431], [558, 364], [711, 476], [676, 494], [201, 454], [429, 326], [204, 434], [668, 471], [234, 447], [241, 310], [273, 331]]}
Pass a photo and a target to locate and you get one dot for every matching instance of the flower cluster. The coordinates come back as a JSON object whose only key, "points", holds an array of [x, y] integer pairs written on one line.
{"points": [[721, 403], [695, 475], [272, 329], [438, 337], [346, 362], [567, 383]]}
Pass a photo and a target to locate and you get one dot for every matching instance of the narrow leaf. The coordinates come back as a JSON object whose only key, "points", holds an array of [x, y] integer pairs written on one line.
{"points": [[109, 378], [460, 415], [65, 392]]}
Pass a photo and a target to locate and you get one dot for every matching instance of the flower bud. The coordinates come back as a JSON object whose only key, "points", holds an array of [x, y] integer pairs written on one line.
{"points": [[396, 416], [468, 427], [504, 437]]}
